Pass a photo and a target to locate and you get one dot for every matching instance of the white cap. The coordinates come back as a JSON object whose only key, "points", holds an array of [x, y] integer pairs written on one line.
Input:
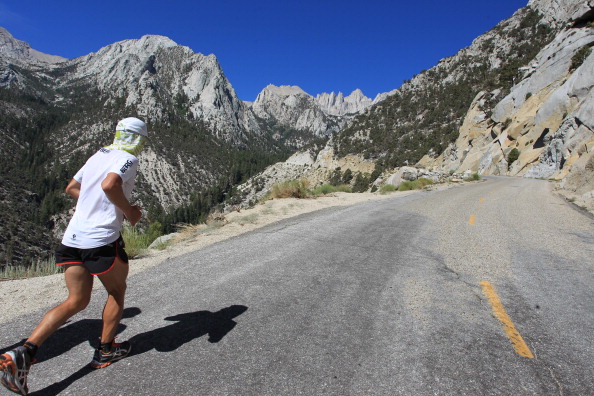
{"points": [[132, 124]]}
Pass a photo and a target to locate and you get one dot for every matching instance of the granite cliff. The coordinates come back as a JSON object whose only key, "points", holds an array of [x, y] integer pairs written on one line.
{"points": [[522, 89]]}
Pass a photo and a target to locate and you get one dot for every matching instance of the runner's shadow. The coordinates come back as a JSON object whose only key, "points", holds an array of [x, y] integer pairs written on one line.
{"points": [[66, 338], [187, 327], [73, 334]]}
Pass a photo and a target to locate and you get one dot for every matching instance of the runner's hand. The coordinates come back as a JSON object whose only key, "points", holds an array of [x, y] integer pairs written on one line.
{"points": [[134, 214]]}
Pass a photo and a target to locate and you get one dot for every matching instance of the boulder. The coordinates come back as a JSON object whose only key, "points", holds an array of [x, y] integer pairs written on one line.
{"points": [[163, 239], [406, 173]]}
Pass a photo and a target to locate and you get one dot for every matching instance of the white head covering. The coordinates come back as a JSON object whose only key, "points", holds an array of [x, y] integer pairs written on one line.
{"points": [[131, 136]]}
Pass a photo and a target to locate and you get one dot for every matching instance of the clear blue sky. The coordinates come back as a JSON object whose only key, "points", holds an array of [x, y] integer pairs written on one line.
{"points": [[319, 45]]}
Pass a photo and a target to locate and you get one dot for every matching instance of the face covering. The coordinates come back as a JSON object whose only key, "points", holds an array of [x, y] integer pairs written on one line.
{"points": [[130, 142]]}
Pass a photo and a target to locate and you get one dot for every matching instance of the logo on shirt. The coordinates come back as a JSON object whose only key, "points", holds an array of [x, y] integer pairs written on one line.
{"points": [[74, 236], [126, 166], [104, 150]]}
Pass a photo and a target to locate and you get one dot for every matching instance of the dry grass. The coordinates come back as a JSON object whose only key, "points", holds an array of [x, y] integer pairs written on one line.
{"points": [[38, 268], [290, 189]]}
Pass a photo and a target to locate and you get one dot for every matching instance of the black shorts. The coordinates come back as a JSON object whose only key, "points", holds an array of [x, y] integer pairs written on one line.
{"points": [[97, 260]]}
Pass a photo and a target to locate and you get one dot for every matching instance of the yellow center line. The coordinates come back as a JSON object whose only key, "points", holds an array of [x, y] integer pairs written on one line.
{"points": [[471, 221], [512, 333]]}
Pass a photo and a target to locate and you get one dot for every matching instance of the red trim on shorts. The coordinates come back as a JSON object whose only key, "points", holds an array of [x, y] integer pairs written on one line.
{"points": [[109, 269], [117, 255], [115, 246], [70, 262]]}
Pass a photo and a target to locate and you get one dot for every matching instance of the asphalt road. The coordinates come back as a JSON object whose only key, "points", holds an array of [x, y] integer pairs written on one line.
{"points": [[435, 293]]}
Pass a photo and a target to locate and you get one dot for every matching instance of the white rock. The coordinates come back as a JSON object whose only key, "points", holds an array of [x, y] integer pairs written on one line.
{"points": [[339, 105]]}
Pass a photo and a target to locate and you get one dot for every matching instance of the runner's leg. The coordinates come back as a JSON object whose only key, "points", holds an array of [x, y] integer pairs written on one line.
{"points": [[115, 284], [80, 285]]}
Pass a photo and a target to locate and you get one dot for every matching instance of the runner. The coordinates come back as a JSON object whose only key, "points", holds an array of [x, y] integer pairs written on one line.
{"points": [[92, 246]]}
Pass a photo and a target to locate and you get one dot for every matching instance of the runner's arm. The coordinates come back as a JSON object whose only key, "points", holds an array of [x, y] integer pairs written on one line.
{"points": [[112, 185], [73, 189]]}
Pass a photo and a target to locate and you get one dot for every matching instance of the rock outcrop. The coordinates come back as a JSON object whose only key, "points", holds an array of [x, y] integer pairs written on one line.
{"points": [[340, 105], [547, 117], [313, 165]]}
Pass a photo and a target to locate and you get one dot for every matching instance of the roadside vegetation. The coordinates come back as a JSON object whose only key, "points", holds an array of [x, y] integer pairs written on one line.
{"points": [[300, 189], [330, 189], [138, 241], [38, 268], [418, 184], [387, 188], [290, 189]]}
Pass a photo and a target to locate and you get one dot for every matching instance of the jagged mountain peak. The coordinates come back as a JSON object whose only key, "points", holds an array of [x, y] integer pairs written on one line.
{"points": [[340, 105], [323, 115], [283, 90], [21, 51], [357, 93], [286, 99], [146, 45]]}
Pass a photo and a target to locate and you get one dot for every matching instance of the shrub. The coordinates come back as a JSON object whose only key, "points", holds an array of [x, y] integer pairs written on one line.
{"points": [[361, 183], [579, 57], [137, 241], [423, 181], [377, 171], [344, 188], [473, 177], [512, 157], [506, 123], [415, 184], [408, 185], [290, 189], [336, 177], [387, 188], [329, 189], [324, 189], [347, 176]]}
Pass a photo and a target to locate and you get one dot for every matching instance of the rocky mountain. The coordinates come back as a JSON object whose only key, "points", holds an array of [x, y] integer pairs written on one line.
{"points": [[517, 101], [424, 115], [55, 112], [522, 89], [340, 105], [544, 127], [54, 115], [291, 112], [21, 51], [149, 72]]}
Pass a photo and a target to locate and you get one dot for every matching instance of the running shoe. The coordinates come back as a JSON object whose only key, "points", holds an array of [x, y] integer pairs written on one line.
{"points": [[15, 367], [118, 351]]}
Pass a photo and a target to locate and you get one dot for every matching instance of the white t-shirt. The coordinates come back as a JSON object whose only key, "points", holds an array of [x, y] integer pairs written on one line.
{"points": [[96, 220]]}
